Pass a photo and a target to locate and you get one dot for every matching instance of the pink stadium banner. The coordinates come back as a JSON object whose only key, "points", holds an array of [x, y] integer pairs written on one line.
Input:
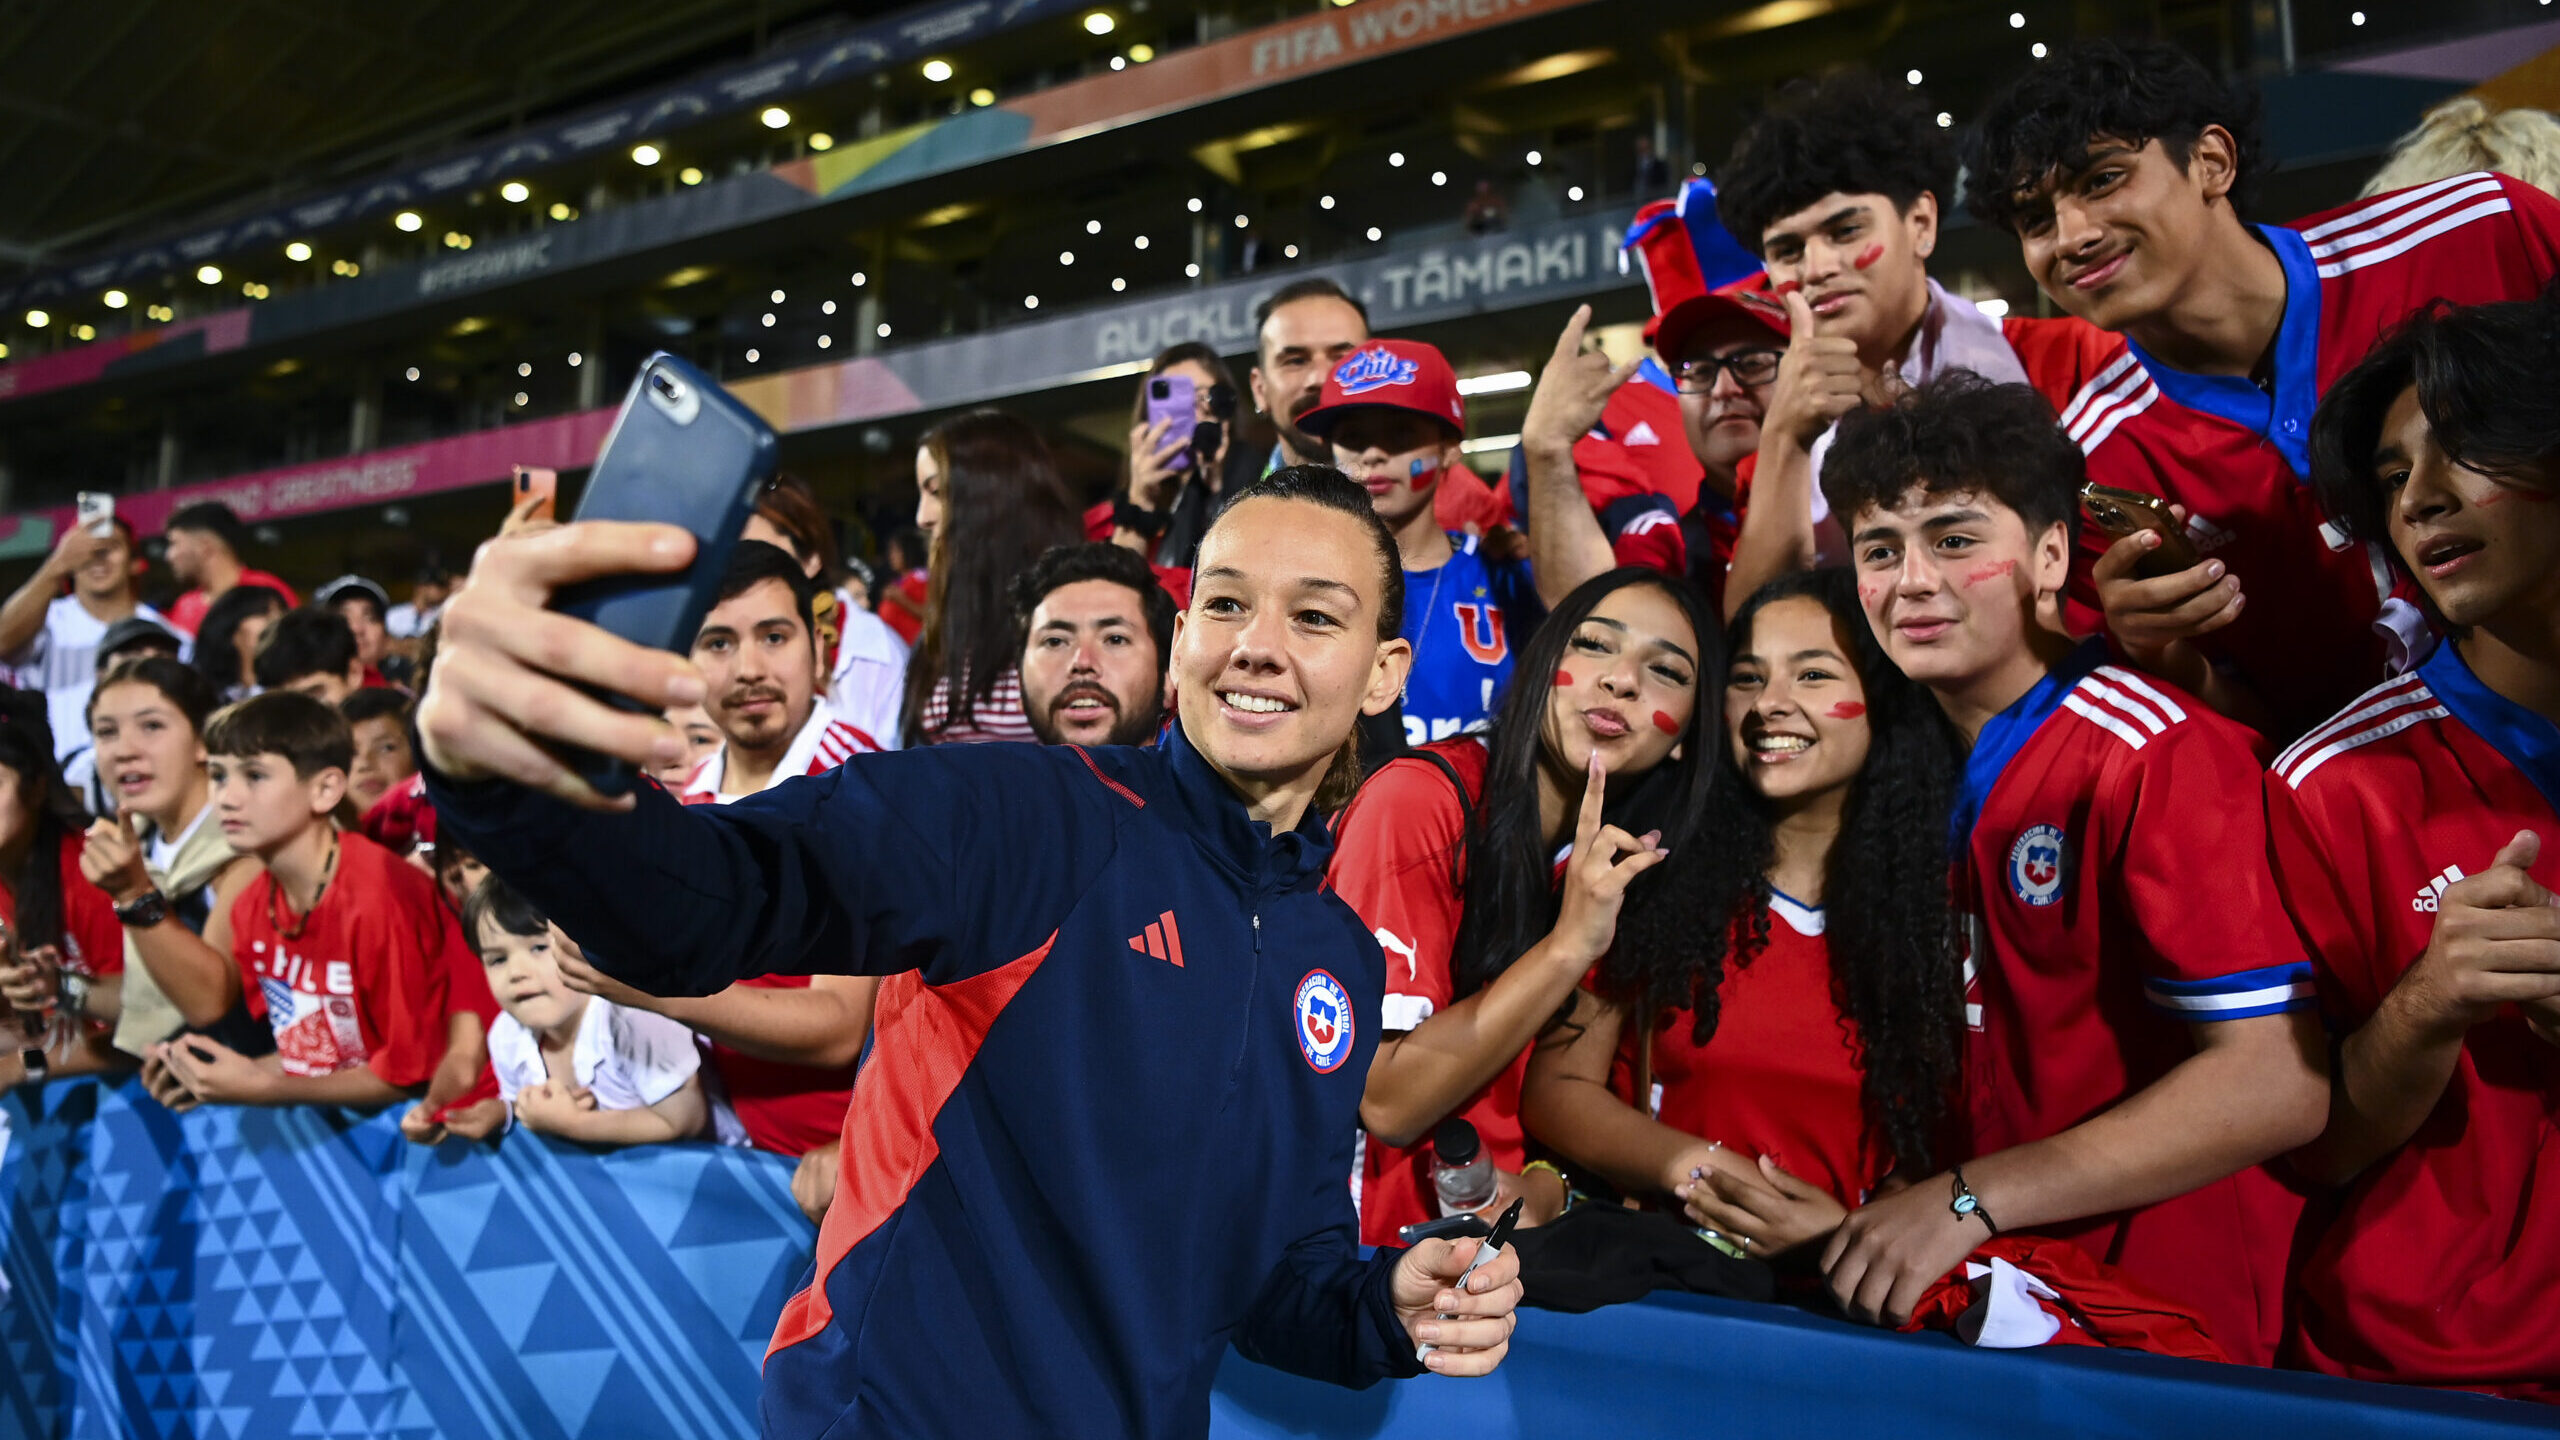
{"points": [[379, 477]]}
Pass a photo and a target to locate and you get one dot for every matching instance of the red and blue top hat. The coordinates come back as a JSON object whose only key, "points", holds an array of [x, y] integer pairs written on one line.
{"points": [[1698, 272]]}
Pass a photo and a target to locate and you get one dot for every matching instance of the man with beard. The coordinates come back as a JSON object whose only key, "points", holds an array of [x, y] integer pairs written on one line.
{"points": [[1097, 630], [782, 1046]]}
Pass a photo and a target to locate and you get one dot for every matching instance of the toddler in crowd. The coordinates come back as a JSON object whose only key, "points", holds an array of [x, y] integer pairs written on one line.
{"points": [[572, 1065]]}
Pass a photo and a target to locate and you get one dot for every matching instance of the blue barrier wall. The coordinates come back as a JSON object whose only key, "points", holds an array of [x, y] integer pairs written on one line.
{"points": [[236, 1274]]}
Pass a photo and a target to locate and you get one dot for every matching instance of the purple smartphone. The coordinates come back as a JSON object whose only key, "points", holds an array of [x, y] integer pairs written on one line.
{"points": [[1173, 398]]}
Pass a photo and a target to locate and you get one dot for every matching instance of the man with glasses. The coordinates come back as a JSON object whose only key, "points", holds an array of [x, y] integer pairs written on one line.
{"points": [[1647, 464], [1836, 186]]}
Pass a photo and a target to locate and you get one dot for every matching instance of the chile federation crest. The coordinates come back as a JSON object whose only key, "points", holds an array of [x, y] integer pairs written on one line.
{"points": [[1323, 1014], [2035, 865]]}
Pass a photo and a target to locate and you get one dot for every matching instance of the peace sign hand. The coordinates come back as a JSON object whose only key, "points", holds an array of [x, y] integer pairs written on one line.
{"points": [[1605, 861]]}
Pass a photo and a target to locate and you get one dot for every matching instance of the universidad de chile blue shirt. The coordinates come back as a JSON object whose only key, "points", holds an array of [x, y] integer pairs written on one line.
{"points": [[1107, 1125], [1465, 621]]}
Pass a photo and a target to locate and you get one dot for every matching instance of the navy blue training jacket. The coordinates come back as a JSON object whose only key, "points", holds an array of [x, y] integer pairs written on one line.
{"points": [[1107, 1128]]}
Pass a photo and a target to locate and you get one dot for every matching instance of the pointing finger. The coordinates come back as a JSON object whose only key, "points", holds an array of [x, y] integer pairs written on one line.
{"points": [[1569, 344]]}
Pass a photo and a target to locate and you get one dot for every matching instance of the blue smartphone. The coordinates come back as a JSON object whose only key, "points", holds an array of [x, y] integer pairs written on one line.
{"points": [[682, 452]]}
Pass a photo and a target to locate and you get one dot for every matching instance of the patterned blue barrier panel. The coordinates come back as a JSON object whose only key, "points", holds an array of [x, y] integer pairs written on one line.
{"points": [[262, 1274]]}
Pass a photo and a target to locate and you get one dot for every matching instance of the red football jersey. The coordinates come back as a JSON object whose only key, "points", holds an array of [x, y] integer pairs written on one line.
{"points": [[366, 982], [2116, 884], [785, 1108], [2440, 1264], [1395, 853], [92, 940], [1781, 1075], [2236, 455]]}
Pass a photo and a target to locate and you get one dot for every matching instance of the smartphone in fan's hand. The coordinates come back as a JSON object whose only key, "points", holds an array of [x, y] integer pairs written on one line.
{"points": [[682, 452], [1173, 401], [2117, 513], [540, 486]]}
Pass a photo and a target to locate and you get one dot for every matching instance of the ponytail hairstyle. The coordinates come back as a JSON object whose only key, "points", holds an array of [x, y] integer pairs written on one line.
{"points": [[53, 815], [1325, 486], [1509, 866], [1896, 972]]}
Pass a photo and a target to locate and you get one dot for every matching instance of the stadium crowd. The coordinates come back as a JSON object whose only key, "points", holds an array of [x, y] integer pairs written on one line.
{"points": [[1891, 788]]}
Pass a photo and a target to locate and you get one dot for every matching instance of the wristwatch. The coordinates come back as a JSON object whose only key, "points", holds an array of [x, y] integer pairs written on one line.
{"points": [[144, 910], [1968, 1205], [37, 1067]]}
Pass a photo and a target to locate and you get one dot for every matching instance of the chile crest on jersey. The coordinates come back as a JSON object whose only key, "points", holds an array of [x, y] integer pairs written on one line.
{"points": [[2035, 865], [1323, 1014]]}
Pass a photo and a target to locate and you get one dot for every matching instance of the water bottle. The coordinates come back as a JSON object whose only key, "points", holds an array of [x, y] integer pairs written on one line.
{"points": [[1460, 1170]]}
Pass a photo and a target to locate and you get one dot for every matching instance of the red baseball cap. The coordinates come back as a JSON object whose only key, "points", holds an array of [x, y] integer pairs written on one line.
{"points": [[1697, 272], [1389, 375]]}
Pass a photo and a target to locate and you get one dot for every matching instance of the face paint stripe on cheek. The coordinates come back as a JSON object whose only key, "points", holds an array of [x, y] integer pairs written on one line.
{"points": [[1868, 256], [1992, 572], [1564, 679], [1847, 710], [1663, 722]]}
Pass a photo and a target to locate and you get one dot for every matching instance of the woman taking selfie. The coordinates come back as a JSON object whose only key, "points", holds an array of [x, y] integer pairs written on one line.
{"points": [[1765, 1049], [1451, 856]]}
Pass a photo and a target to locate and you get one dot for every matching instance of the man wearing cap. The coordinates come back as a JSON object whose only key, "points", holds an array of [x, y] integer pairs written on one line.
{"points": [[1648, 464], [366, 607], [1392, 416], [1836, 186]]}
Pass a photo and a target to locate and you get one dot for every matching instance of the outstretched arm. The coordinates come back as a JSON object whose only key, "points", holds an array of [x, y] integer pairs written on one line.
{"points": [[874, 868]]}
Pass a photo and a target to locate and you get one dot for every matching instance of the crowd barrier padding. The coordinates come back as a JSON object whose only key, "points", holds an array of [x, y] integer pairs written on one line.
{"points": [[264, 1274]]}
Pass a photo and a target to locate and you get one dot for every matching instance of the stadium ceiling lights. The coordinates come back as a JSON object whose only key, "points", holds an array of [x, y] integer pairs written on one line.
{"points": [[516, 192], [689, 175], [38, 319], [646, 154], [209, 274], [1141, 54], [1099, 23], [820, 140], [409, 222], [982, 97], [299, 250], [116, 299], [775, 117], [937, 71]]}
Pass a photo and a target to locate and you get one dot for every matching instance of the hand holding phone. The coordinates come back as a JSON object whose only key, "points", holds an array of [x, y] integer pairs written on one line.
{"points": [[1173, 402], [2118, 513], [537, 494], [562, 650]]}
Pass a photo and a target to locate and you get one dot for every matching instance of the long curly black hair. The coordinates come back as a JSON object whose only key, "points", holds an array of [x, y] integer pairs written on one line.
{"points": [[54, 815], [1507, 868], [1896, 973]]}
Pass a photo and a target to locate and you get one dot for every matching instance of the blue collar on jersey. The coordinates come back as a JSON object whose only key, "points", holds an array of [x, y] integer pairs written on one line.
{"points": [[2529, 740], [2285, 419], [1651, 372], [1215, 816], [2009, 731]]}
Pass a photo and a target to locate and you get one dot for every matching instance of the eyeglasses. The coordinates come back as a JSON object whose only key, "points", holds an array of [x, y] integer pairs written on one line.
{"points": [[1749, 367]]}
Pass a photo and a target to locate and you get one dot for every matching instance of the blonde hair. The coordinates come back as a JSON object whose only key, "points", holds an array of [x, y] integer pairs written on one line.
{"points": [[2463, 135]]}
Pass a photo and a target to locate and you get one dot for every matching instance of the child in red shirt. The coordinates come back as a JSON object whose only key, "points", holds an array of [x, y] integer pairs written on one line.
{"points": [[343, 949]]}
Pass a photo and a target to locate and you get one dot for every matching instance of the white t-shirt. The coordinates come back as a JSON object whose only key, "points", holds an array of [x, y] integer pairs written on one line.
{"points": [[629, 1058], [62, 661], [869, 687]]}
